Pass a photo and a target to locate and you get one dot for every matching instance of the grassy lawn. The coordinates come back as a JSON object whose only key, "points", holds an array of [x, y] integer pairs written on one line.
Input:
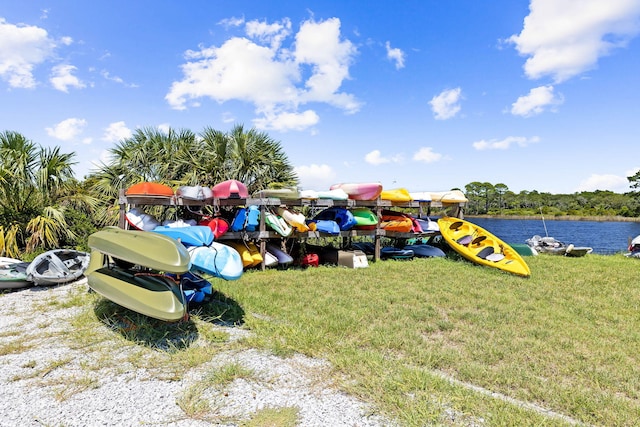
{"points": [[427, 342], [430, 337]]}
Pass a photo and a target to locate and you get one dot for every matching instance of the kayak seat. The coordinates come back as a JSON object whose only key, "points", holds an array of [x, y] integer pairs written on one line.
{"points": [[465, 240], [484, 253]]}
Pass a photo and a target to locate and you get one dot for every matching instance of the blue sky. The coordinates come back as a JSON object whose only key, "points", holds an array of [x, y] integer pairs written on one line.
{"points": [[426, 95]]}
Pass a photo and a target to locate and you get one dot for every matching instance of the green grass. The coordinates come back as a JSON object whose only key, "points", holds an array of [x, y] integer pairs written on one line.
{"points": [[430, 336], [426, 342]]}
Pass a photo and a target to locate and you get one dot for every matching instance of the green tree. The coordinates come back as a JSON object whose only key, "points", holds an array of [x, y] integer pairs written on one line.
{"points": [[181, 157], [37, 189]]}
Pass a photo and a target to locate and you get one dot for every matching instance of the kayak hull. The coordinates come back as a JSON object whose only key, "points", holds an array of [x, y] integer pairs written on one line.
{"points": [[151, 250]]}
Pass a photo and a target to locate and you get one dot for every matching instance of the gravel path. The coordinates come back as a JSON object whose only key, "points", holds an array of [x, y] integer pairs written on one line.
{"points": [[36, 362]]}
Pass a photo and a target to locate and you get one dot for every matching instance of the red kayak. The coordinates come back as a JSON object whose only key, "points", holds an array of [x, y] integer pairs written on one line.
{"points": [[230, 189]]}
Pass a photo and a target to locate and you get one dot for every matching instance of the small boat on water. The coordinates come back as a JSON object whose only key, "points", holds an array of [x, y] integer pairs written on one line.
{"points": [[634, 248], [550, 245], [57, 266]]}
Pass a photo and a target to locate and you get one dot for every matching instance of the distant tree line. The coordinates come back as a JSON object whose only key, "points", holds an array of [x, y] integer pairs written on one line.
{"points": [[496, 199]]}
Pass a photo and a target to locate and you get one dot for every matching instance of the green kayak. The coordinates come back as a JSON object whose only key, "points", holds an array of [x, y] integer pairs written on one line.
{"points": [[150, 250], [145, 293]]}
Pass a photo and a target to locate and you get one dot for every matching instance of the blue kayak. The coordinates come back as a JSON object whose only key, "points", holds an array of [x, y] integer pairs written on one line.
{"points": [[425, 251], [193, 235]]}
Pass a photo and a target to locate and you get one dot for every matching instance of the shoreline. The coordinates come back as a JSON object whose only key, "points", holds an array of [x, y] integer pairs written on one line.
{"points": [[560, 218]]}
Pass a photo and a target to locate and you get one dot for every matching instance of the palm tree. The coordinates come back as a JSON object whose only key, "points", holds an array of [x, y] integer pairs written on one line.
{"points": [[36, 188], [252, 157], [183, 158]]}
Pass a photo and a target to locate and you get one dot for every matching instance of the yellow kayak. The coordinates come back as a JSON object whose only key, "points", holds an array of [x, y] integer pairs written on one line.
{"points": [[480, 246]]}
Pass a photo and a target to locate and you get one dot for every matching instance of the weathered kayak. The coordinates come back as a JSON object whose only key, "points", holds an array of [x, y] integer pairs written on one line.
{"points": [[425, 251], [194, 192], [480, 246], [150, 250], [57, 266], [294, 219]]}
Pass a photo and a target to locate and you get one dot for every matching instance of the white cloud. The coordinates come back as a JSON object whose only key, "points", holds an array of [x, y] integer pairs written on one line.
{"points": [[62, 78], [287, 121], [116, 132], [22, 48], [536, 101], [67, 129], [396, 55], [162, 127], [504, 144], [375, 158], [426, 155], [446, 104], [315, 177], [107, 76], [563, 38], [615, 183], [275, 79]]}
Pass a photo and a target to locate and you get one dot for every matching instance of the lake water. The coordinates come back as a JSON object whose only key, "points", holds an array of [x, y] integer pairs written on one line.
{"points": [[604, 237]]}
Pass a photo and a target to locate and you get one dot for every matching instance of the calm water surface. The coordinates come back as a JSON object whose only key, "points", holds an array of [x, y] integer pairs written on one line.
{"points": [[604, 237]]}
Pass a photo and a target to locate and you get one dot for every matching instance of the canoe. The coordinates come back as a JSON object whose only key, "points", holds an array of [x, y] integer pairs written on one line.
{"points": [[194, 192], [57, 266], [451, 196], [217, 260], [196, 235], [342, 216], [151, 189], [360, 191], [422, 250], [153, 295], [365, 218], [140, 220], [480, 246], [396, 195], [230, 189], [294, 219], [13, 274], [151, 250], [426, 224]]}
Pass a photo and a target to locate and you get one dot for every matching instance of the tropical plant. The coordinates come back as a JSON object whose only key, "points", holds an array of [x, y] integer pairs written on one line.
{"points": [[37, 188], [181, 157]]}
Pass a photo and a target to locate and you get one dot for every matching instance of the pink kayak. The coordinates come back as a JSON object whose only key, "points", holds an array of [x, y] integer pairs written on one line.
{"points": [[230, 189], [360, 191]]}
